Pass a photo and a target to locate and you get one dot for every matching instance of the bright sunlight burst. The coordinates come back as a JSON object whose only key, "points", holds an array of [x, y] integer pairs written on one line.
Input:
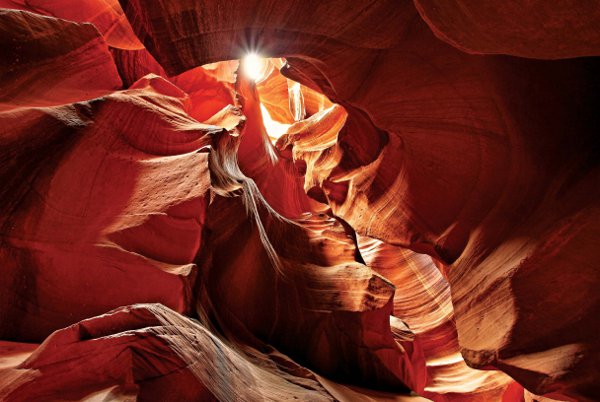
{"points": [[253, 66]]}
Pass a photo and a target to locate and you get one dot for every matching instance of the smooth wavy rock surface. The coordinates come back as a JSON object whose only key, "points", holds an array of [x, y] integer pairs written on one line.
{"points": [[48, 62], [399, 202], [535, 29]]}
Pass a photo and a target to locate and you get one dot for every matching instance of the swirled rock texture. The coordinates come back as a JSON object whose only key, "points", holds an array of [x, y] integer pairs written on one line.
{"points": [[401, 203], [535, 29], [48, 62]]}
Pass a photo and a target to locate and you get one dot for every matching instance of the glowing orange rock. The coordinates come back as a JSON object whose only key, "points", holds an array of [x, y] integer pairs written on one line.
{"points": [[443, 212]]}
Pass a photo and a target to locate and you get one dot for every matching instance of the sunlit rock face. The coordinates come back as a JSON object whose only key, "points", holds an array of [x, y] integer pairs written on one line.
{"points": [[301, 200]]}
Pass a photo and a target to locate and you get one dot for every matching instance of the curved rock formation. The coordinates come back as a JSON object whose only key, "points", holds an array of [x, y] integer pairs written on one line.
{"points": [[130, 156], [106, 15], [48, 62], [394, 205], [535, 29]]}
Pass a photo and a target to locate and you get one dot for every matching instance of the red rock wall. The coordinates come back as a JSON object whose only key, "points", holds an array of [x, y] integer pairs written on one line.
{"points": [[435, 230]]}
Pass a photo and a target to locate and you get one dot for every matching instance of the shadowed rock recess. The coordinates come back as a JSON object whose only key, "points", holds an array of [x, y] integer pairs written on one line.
{"points": [[269, 200]]}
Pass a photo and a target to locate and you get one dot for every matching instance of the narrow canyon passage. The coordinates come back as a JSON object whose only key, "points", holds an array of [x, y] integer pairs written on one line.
{"points": [[316, 201]]}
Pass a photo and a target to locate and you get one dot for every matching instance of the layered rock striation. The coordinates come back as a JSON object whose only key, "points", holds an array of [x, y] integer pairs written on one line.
{"points": [[401, 205]]}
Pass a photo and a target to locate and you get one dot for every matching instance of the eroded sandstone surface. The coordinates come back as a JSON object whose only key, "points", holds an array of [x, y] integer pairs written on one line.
{"points": [[399, 204]]}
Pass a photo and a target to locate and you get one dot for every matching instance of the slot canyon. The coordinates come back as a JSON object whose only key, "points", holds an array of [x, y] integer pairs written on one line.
{"points": [[274, 200]]}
